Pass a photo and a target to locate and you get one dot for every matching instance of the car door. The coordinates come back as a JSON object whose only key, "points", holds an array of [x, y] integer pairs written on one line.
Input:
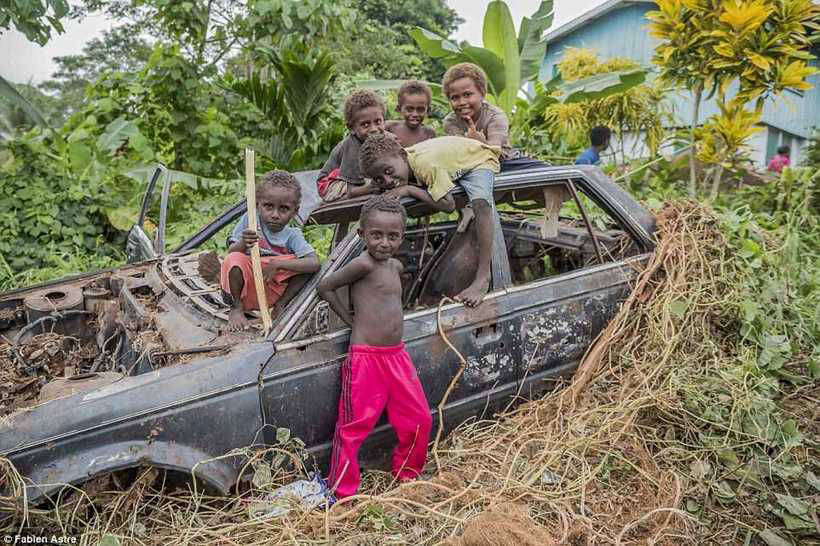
{"points": [[578, 280], [486, 337]]}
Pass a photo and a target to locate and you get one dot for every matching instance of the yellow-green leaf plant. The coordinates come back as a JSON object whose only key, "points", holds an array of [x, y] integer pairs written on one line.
{"points": [[638, 109], [706, 45]]}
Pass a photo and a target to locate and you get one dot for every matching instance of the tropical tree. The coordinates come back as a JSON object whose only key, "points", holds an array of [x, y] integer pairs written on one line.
{"points": [[295, 101], [723, 139], [34, 18], [707, 45], [120, 49]]}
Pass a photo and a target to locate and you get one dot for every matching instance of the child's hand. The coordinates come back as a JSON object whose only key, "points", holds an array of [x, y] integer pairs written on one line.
{"points": [[270, 270], [399, 192], [474, 133], [249, 238]]}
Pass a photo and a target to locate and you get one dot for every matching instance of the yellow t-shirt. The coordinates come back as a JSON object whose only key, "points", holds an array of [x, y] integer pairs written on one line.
{"points": [[437, 162]]}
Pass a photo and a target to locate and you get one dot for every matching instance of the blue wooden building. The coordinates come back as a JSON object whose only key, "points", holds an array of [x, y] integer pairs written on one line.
{"points": [[619, 28]]}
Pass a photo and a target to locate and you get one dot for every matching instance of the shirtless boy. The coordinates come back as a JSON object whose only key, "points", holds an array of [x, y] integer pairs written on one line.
{"points": [[340, 177], [439, 164], [413, 105], [378, 372], [290, 258]]}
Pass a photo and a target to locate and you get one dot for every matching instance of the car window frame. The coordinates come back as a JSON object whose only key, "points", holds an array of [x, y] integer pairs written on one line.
{"points": [[285, 330]]}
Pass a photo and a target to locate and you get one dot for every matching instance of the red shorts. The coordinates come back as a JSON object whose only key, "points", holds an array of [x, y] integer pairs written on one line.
{"points": [[273, 288]]}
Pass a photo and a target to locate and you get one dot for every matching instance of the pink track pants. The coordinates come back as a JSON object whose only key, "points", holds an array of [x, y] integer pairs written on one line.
{"points": [[374, 378]]}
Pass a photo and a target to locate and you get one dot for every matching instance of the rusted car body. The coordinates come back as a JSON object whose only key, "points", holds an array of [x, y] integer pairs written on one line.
{"points": [[550, 297]]}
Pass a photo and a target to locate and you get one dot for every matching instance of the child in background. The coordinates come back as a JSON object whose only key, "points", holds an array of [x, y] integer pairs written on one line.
{"points": [[439, 164], [599, 138], [340, 177], [378, 372], [277, 201], [413, 105], [780, 160], [465, 85]]}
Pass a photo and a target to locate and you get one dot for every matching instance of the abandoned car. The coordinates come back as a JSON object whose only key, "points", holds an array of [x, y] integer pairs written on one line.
{"points": [[134, 366]]}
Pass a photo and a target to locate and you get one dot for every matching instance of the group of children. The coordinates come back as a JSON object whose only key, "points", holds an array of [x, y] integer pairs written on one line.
{"points": [[391, 160]]}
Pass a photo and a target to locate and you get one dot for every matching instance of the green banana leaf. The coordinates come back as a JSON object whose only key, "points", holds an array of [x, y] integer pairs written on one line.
{"points": [[451, 53], [532, 44], [8, 92], [601, 85], [433, 44], [499, 38], [508, 60]]}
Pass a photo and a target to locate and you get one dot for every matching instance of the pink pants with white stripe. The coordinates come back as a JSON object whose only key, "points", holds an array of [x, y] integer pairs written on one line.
{"points": [[375, 378]]}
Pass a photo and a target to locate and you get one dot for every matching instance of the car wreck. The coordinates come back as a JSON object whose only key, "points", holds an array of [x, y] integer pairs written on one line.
{"points": [[133, 366]]}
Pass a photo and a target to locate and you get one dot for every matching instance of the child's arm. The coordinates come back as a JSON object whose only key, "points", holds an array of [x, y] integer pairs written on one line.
{"points": [[445, 204], [451, 128], [498, 129], [347, 275], [474, 133], [334, 161], [357, 191], [306, 264]]}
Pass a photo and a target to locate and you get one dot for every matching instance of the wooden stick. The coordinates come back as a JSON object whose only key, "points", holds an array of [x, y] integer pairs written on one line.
{"points": [[256, 259]]}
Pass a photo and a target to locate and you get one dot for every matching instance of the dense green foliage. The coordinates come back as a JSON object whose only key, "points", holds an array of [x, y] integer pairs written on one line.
{"points": [[185, 101], [37, 19], [508, 59]]}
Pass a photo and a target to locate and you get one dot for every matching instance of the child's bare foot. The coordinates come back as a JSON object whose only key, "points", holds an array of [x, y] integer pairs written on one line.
{"points": [[473, 294], [237, 320], [208, 267]]}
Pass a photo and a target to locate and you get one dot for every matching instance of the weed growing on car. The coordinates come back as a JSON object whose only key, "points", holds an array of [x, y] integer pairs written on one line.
{"points": [[692, 420]]}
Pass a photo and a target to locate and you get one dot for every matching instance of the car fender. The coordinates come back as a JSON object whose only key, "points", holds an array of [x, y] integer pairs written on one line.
{"points": [[218, 473]]}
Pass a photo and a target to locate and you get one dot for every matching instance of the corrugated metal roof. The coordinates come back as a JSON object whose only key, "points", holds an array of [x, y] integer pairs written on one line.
{"points": [[594, 13]]}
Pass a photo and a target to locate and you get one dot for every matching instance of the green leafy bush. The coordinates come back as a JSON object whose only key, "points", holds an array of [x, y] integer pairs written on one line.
{"points": [[46, 208]]}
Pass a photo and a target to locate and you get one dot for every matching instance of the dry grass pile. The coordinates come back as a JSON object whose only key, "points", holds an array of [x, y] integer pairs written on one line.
{"points": [[659, 439]]}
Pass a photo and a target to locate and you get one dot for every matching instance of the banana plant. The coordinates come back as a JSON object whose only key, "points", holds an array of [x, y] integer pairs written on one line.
{"points": [[509, 60], [8, 92]]}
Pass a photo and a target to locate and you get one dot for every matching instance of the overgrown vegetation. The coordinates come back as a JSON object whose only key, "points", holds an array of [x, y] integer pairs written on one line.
{"points": [[641, 109], [708, 45]]}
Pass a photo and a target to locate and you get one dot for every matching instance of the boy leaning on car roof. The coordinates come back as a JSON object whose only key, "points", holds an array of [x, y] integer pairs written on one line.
{"points": [[439, 164], [378, 372]]}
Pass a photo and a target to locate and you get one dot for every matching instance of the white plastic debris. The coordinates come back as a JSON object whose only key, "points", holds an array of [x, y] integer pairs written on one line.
{"points": [[306, 494], [548, 477]]}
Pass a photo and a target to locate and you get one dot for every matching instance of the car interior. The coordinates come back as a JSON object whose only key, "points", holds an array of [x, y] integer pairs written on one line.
{"points": [[532, 256]]}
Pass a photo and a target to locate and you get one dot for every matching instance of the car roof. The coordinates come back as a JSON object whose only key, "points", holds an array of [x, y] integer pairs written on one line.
{"points": [[519, 185], [509, 186]]}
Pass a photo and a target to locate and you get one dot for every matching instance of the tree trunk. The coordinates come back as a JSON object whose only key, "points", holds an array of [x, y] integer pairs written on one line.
{"points": [[716, 183], [692, 173]]}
